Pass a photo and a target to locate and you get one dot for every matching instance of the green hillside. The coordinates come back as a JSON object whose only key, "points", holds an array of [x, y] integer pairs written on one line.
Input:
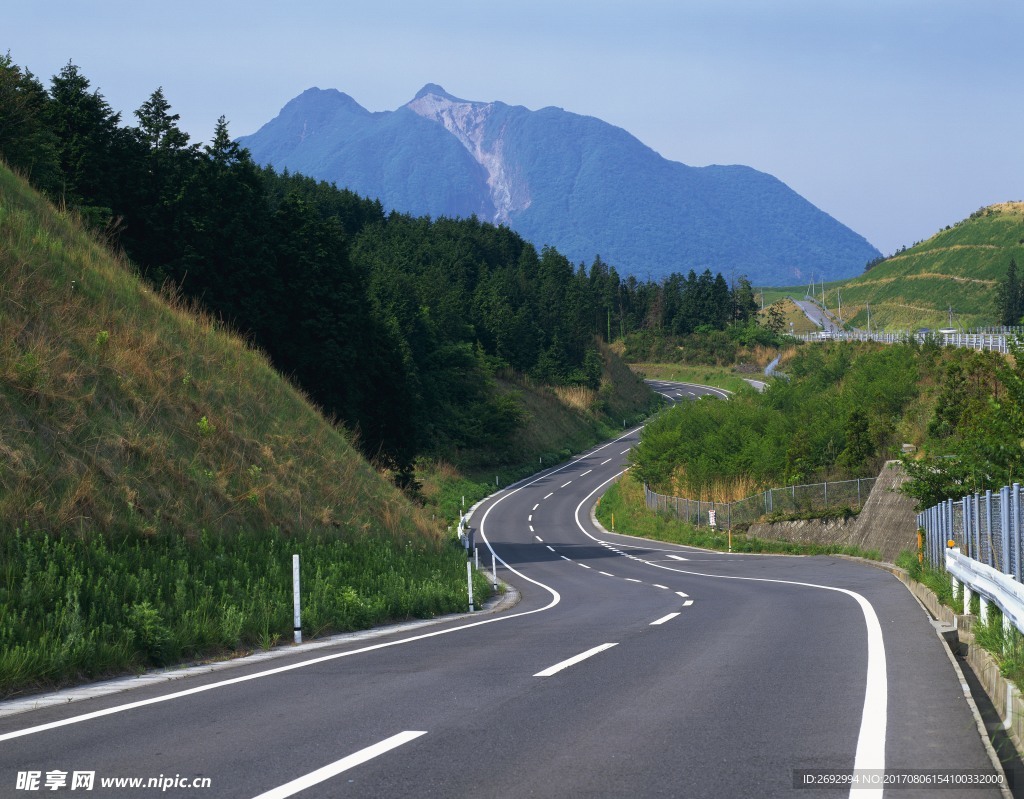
{"points": [[959, 267], [125, 412], [156, 475]]}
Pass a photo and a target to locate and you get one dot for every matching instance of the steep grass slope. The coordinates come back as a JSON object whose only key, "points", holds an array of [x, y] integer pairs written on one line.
{"points": [[959, 267], [125, 412]]}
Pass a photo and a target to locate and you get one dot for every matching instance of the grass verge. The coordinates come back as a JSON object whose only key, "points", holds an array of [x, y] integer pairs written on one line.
{"points": [[76, 608], [622, 509]]}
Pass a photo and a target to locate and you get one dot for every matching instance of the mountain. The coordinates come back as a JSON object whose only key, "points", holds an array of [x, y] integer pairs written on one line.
{"points": [[957, 269], [574, 182]]}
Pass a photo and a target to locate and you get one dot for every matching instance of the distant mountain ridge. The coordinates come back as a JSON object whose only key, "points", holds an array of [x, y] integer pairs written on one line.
{"points": [[579, 184]]}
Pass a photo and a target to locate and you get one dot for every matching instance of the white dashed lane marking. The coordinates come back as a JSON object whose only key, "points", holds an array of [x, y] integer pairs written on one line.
{"points": [[664, 619]]}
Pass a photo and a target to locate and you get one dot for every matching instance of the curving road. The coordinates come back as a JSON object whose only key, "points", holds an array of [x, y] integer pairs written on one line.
{"points": [[627, 668]]}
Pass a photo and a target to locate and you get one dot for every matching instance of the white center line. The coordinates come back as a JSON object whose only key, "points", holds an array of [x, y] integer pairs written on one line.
{"points": [[563, 557], [678, 557], [624, 452], [536, 506], [687, 603], [565, 484], [607, 461], [573, 660], [549, 495], [657, 585], [588, 471], [338, 766], [551, 547], [539, 538], [633, 580], [585, 566], [680, 593], [664, 619], [606, 574]]}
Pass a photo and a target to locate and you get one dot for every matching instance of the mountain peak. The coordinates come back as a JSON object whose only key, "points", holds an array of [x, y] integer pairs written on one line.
{"points": [[437, 91]]}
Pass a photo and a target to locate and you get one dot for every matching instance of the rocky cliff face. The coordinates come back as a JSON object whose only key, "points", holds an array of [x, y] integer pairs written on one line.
{"points": [[577, 183], [467, 122]]}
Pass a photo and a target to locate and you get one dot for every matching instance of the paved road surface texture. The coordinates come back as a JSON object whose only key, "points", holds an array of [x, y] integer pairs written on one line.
{"points": [[627, 668]]}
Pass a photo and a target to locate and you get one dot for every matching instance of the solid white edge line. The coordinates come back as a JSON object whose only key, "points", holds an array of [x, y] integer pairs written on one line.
{"points": [[573, 660], [664, 619], [505, 494], [338, 766], [870, 752]]}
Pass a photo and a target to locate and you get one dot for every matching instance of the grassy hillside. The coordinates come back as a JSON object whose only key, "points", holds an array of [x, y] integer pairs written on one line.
{"points": [[125, 413], [156, 476], [959, 267]]}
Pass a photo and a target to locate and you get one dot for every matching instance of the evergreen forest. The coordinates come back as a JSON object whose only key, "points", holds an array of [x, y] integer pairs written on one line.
{"points": [[394, 325]]}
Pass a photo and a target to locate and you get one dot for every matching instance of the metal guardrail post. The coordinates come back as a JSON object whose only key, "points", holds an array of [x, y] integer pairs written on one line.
{"points": [[1016, 532], [988, 526], [975, 502], [1004, 529], [968, 529]]}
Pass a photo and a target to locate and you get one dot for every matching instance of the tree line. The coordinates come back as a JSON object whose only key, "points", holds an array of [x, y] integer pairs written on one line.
{"points": [[392, 324]]}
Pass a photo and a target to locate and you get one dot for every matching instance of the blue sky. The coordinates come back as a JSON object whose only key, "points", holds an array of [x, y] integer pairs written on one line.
{"points": [[897, 117]]}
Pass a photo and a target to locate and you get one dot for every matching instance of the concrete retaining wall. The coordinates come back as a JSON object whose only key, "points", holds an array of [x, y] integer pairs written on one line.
{"points": [[887, 523]]}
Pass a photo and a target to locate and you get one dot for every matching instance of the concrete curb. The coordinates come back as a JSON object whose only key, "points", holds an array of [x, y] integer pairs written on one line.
{"points": [[10, 707]]}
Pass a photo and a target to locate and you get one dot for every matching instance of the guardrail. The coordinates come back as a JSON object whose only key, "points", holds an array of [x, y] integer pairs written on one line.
{"points": [[791, 499], [978, 540], [997, 342]]}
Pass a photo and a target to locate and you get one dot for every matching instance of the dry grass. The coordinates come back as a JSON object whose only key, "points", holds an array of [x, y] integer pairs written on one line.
{"points": [[579, 397], [719, 490], [126, 409]]}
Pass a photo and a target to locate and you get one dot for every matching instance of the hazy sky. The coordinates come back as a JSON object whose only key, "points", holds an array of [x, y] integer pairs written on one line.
{"points": [[897, 117]]}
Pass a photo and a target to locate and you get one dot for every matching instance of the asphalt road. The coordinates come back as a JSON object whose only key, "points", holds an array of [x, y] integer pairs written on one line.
{"points": [[627, 668]]}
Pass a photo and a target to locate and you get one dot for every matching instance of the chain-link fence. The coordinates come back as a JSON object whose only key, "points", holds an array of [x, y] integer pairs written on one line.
{"points": [[791, 500], [986, 527]]}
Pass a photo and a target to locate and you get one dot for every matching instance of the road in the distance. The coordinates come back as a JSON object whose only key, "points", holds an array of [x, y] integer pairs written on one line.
{"points": [[627, 669]]}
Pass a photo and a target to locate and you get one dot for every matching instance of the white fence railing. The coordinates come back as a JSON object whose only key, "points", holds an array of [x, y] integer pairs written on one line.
{"points": [[996, 342], [978, 539]]}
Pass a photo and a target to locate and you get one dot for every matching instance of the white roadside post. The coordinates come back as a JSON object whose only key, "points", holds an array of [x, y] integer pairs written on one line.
{"points": [[494, 570], [295, 599], [470, 553]]}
